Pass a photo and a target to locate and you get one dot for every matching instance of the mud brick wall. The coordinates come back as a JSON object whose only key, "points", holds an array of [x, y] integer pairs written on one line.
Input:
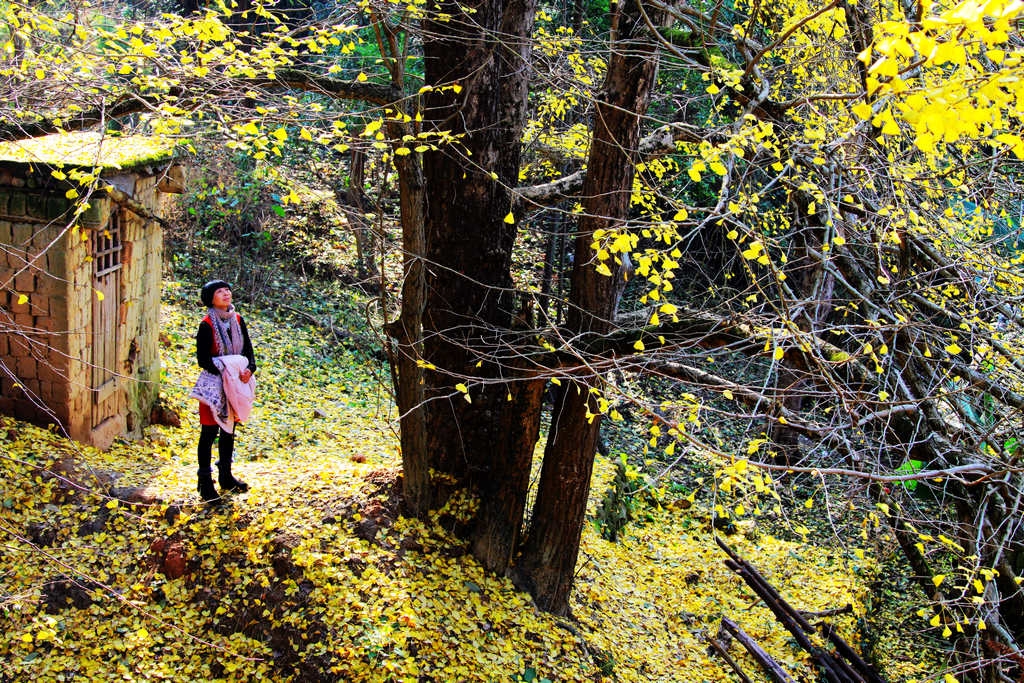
{"points": [[46, 341], [78, 321], [34, 340], [139, 317]]}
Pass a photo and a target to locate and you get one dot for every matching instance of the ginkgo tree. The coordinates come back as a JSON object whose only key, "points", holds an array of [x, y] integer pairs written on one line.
{"points": [[851, 166]]}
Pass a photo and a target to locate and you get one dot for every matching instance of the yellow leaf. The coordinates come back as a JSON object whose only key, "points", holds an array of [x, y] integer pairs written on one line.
{"points": [[727, 394], [839, 241], [718, 167], [681, 215], [99, 295], [71, 194], [461, 387], [950, 679], [779, 353], [401, 151], [281, 134], [946, 632], [810, 503], [361, 77], [732, 234], [510, 219], [953, 348], [883, 507], [938, 579], [863, 110], [305, 134], [934, 621], [638, 345], [22, 298], [602, 268], [26, 637], [981, 625], [111, 504]]}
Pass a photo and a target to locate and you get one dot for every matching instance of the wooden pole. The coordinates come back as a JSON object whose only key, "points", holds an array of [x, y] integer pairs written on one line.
{"points": [[773, 668]]}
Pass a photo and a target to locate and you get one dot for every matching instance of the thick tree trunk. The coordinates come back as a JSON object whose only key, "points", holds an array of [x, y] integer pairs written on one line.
{"points": [[486, 443], [407, 332], [550, 552], [405, 353]]}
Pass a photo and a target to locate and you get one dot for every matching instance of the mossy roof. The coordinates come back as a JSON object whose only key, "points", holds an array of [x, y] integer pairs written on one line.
{"points": [[88, 149]]}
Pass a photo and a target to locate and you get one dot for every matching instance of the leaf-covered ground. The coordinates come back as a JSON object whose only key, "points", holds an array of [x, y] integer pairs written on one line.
{"points": [[312, 575]]}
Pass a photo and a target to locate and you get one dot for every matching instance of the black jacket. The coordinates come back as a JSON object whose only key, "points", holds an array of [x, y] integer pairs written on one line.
{"points": [[204, 347]]}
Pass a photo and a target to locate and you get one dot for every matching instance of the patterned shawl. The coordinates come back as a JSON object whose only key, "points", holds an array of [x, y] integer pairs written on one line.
{"points": [[227, 334]]}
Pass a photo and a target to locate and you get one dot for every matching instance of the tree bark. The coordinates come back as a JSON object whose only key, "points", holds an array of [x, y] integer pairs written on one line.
{"points": [[354, 196], [485, 443], [407, 330], [408, 334], [551, 550]]}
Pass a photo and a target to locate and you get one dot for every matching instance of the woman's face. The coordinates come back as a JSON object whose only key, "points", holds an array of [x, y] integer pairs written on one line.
{"points": [[222, 298]]}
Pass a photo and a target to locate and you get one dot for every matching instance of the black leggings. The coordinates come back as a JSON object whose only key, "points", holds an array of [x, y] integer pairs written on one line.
{"points": [[225, 446]]}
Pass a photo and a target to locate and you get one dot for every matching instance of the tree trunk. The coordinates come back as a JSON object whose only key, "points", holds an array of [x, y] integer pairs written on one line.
{"points": [[486, 443], [550, 552], [366, 258], [814, 288], [407, 332]]}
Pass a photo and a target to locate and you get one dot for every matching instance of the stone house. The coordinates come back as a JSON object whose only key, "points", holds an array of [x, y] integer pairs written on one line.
{"points": [[80, 289]]}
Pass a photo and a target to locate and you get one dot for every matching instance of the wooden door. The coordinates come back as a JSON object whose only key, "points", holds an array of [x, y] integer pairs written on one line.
{"points": [[106, 253]]}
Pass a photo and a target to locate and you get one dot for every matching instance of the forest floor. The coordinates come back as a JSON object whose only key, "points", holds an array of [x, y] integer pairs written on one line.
{"points": [[111, 569]]}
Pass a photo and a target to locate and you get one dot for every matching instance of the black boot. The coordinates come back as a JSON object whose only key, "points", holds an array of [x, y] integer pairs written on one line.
{"points": [[206, 490], [225, 448], [227, 481]]}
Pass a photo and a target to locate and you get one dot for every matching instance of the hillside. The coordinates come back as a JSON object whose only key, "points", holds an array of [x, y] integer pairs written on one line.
{"points": [[313, 575]]}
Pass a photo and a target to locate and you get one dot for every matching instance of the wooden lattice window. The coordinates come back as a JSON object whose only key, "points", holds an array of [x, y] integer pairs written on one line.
{"points": [[106, 247]]}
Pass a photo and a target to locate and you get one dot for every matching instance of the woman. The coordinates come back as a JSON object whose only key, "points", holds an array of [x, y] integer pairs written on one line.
{"points": [[222, 333]]}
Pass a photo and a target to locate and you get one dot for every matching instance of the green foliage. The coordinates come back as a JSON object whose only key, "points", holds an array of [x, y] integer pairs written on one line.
{"points": [[233, 205], [618, 506], [910, 466]]}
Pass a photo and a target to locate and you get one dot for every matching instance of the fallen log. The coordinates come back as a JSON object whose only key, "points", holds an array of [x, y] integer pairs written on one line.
{"points": [[836, 667], [717, 647], [843, 648], [773, 668]]}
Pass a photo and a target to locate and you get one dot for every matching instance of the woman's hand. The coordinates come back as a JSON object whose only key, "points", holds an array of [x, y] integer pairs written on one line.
{"points": [[246, 375]]}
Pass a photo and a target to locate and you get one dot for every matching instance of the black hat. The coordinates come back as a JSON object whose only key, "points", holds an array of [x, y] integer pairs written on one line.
{"points": [[206, 293]]}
